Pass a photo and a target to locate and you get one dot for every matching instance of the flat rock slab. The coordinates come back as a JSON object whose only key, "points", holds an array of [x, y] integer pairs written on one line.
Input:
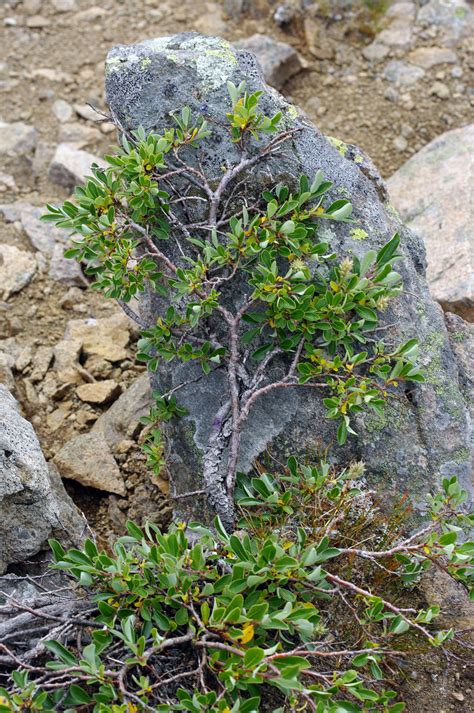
{"points": [[433, 193], [87, 460]]}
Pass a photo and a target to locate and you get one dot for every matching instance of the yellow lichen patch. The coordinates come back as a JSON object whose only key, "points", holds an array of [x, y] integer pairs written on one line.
{"points": [[359, 234]]}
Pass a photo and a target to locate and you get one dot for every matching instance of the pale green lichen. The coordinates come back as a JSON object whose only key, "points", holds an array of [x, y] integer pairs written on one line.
{"points": [[359, 234], [390, 208], [358, 158], [339, 145], [461, 455], [291, 111], [146, 61]]}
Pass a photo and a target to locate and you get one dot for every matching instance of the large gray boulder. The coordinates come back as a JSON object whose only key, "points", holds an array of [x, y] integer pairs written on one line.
{"points": [[433, 193], [33, 503], [424, 433]]}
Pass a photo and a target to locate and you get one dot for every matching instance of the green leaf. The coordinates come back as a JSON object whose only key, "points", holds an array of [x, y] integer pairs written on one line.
{"points": [[253, 657]]}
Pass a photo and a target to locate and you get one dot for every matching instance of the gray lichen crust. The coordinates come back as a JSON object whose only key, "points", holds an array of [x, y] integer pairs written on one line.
{"points": [[426, 427]]}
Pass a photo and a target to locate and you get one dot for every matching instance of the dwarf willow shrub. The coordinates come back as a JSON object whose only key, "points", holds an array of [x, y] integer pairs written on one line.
{"points": [[300, 303], [301, 607], [267, 618]]}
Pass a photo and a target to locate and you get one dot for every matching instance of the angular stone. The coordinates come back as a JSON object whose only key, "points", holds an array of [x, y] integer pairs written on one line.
{"points": [[122, 419], [43, 236], [85, 111], [70, 166], [87, 459], [64, 270], [17, 268], [17, 139], [78, 134], [62, 110], [98, 392], [427, 57], [418, 440], [433, 193], [403, 74], [33, 503], [375, 52], [106, 337], [278, 60]]}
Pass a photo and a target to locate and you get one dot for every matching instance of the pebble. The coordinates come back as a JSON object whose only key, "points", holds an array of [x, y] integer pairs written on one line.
{"points": [[375, 52], [17, 268], [17, 138], [37, 22], [427, 57], [99, 392], [62, 110], [458, 696], [64, 5], [70, 166], [402, 73], [278, 60], [400, 143], [85, 111], [440, 90]]}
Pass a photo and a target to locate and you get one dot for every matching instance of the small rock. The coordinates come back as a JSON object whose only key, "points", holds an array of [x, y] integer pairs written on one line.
{"points": [[78, 134], [85, 418], [442, 215], [87, 459], [64, 5], [6, 374], [70, 166], [440, 90], [17, 268], [210, 21], [400, 144], [17, 138], [57, 418], [65, 270], [400, 37], [278, 60], [43, 155], [375, 52], [41, 363], [403, 74], [100, 392], [72, 297], [316, 40], [91, 14], [391, 94], [458, 696], [42, 236], [23, 359], [7, 183], [98, 367], [85, 111], [62, 110], [33, 503], [52, 75], [37, 22], [122, 419], [106, 337], [427, 57]]}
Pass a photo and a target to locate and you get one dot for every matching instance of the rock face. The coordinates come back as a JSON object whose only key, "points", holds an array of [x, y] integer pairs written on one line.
{"points": [[433, 193], [424, 433], [33, 503]]}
